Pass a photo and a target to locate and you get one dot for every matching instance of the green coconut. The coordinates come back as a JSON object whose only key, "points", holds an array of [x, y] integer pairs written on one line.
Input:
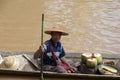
{"points": [[91, 62], [85, 56], [98, 56], [110, 69]]}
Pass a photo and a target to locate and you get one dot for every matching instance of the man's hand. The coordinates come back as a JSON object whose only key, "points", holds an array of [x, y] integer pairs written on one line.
{"points": [[41, 48], [38, 53], [72, 70]]}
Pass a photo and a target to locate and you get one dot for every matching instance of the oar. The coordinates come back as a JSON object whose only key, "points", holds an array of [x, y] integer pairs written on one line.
{"points": [[31, 62], [42, 29]]}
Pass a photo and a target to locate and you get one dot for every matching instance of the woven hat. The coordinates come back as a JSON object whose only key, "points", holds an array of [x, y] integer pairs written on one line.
{"points": [[56, 29], [1, 59], [10, 62]]}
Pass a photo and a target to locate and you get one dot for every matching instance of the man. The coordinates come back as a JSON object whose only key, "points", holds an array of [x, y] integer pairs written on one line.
{"points": [[54, 53]]}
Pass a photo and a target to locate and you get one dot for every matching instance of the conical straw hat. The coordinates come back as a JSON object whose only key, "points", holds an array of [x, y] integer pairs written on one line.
{"points": [[10, 62], [56, 29], [1, 59]]}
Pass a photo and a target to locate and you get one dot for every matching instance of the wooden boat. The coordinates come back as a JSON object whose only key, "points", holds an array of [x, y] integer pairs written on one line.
{"points": [[35, 75]]}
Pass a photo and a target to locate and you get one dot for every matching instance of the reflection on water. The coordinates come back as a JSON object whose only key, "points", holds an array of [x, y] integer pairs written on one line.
{"points": [[94, 25]]}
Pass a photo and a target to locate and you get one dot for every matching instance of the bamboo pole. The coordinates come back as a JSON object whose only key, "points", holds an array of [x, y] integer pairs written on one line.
{"points": [[42, 29]]}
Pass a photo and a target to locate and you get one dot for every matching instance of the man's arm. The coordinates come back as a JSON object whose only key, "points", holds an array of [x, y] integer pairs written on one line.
{"points": [[37, 54], [64, 60]]}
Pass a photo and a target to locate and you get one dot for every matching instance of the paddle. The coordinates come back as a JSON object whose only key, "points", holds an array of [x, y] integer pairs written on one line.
{"points": [[42, 29]]}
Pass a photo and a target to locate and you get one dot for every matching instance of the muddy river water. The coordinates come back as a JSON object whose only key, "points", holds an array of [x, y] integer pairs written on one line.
{"points": [[93, 25]]}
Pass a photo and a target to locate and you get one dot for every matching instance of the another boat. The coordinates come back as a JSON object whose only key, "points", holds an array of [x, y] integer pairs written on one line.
{"points": [[35, 75]]}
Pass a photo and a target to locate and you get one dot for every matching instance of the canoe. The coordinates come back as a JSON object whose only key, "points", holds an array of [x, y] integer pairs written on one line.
{"points": [[35, 75], [23, 75]]}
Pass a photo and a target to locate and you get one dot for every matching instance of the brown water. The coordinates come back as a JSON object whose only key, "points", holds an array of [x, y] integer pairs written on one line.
{"points": [[94, 25]]}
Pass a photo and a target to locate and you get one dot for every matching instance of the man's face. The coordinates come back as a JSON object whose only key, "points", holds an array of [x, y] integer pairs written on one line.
{"points": [[56, 36]]}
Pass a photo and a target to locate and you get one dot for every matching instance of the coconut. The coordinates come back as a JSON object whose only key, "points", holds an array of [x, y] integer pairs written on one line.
{"points": [[91, 62], [85, 56], [98, 56], [110, 69]]}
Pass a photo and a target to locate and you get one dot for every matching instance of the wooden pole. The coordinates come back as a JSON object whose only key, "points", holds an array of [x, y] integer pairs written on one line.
{"points": [[42, 29]]}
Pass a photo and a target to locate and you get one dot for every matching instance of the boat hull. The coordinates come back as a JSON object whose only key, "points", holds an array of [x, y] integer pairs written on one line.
{"points": [[35, 75], [25, 75]]}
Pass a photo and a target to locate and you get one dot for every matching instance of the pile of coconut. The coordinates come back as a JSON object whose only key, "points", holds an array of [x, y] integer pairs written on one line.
{"points": [[91, 59], [92, 63]]}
